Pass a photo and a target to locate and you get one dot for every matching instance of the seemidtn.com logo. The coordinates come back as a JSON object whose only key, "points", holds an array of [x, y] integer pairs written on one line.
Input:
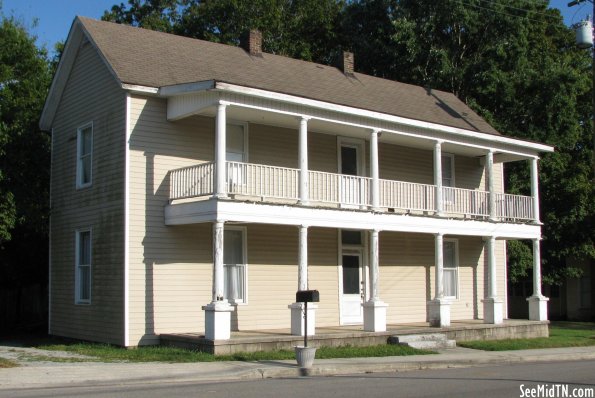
{"points": [[556, 391]]}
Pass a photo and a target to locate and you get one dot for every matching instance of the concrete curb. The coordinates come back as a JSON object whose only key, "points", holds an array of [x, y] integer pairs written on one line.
{"points": [[88, 374]]}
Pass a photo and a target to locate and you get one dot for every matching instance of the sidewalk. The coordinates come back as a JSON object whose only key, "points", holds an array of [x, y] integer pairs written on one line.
{"points": [[52, 374]]}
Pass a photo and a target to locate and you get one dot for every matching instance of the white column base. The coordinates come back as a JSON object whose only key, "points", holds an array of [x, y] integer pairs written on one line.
{"points": [[439, 312], [297, 319], [492, 311], [218, 320], [538, 308], [375, 316]]}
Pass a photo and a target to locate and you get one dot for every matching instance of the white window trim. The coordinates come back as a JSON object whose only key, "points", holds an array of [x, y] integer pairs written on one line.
{"points": [[77, 299], [79, 165], [456, 268], [244, 231]]}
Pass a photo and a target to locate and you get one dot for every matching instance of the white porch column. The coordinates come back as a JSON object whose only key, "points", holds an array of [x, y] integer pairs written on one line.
{"points": [[438, 177], [303, 161], [535, 189], [492, 305], [537, 302], [297, 309], [490, 177], [220, 149], [374, 308], [218, 312], [439, 307], [374, 170]]}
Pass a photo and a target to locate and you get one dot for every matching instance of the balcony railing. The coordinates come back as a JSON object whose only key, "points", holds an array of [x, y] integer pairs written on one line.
{"points": [[283, 183]]}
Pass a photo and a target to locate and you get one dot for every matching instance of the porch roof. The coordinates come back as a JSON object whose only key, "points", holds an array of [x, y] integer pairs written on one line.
{"points": [[153, 59]]}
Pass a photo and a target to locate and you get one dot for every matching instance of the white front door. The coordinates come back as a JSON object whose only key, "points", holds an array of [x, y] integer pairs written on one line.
{"points": [[352, 292]]}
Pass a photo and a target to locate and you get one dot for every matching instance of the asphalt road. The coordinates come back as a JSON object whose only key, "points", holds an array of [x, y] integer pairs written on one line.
{"points": [[485, 382]]}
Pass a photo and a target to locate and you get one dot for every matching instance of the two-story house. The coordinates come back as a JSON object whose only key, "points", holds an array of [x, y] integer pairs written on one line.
{"points": [[197, 186]]}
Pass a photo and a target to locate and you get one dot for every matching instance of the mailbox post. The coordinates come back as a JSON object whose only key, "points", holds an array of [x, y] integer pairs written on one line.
{"points": [[305, 355], [306, 296]]}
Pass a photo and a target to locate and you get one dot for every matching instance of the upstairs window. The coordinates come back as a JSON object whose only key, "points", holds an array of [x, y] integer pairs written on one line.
{"points": [[83, 267], [236, 141], [448, 167], [84, 156]]}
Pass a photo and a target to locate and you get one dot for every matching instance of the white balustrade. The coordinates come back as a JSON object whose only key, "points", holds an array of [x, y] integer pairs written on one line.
{"points": [[407, 195], [262, 181], [192, 181], [466, 201], [514, 207], [282, 183]]}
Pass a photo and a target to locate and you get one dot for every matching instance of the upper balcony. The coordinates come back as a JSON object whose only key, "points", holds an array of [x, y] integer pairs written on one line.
{"points": [[270, 184]]}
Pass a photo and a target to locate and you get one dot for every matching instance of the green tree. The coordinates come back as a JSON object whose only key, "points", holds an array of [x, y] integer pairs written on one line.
{"points": [[160, 15], [24, 156], [516, 64]]}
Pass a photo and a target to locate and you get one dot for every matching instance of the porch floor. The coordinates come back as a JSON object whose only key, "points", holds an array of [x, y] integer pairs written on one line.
{"points": [[353, 335]]}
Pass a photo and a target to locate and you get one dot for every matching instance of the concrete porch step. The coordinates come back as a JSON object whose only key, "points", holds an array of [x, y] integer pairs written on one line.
{"points": [[426, 341]]}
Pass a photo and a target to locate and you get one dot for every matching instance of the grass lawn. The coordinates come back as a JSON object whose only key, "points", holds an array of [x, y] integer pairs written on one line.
{"points": [[109, 353], [5, 363], [562, 334]]}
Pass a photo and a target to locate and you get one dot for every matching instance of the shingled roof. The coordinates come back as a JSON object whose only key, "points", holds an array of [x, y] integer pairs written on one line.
{"points": [[154, 59]]}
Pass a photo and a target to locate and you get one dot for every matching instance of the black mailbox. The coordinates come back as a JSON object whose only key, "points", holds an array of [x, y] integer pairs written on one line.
{"points": [[307, 296]]}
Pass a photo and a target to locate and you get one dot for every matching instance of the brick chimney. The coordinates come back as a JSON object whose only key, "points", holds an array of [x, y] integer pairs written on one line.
{"points": [[252, 42], [346, 63]]}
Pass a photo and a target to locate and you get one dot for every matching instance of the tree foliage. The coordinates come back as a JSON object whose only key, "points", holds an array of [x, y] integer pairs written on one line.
{"points": [[24, 154], [305, 29]]}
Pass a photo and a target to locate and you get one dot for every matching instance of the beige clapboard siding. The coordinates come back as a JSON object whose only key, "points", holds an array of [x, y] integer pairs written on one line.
{"points": [[405, 164], [272, 277], [273, 273], [405, 262], [277, 146], [170, 267], [101, 101], [468, 173]]}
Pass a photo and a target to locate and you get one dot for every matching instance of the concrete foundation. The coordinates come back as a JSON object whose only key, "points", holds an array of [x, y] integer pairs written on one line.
{"points": [[252, 341]]}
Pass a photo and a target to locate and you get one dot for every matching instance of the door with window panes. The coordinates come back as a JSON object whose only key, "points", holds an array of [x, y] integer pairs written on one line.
{"points": [[352, 281]]}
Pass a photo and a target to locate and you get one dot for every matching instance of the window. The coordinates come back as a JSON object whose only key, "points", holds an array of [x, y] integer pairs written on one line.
{"points": [[83, 267], [448, 177], [234, 260], [350, 237], [451, 266], [84, 156], [448, 167], [235, 151]]}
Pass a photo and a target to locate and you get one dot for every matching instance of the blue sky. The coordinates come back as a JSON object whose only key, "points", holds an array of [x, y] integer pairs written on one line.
{"points": [[55, 16]]}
